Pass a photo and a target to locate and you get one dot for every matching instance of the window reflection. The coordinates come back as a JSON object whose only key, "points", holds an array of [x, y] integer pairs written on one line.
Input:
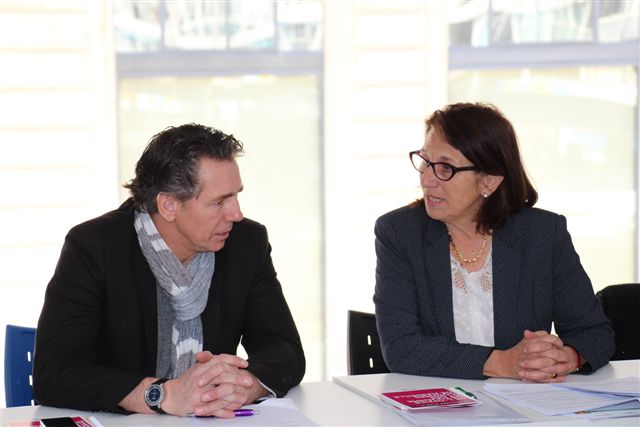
{"points": [[195, 25], [619, 21], [251, 24], [151, 25], [137, 25], [468, 22], [490, 22], [299, 25], [541, 21]]}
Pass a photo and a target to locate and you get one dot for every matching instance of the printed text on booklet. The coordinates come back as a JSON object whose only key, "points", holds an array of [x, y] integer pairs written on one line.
{"points": [[412, 400]]}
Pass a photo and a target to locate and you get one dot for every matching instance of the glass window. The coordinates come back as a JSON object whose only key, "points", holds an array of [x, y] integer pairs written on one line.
{"points": [[137, 25], [299, 25], [619, 21], [541, 21], [286, 25], [576, 132], [252, 24], [481, 23], [468, 22], [195, 25], [278, 120]]}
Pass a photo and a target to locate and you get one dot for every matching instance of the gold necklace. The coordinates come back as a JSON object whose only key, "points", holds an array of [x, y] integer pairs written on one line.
{"points": [[459, 254]]}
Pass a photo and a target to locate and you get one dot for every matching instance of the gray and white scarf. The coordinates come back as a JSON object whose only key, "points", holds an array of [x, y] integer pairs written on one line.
{"points": [[187, 288]]}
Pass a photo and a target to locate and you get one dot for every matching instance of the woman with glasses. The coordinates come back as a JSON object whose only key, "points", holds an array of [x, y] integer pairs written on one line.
{"points": [[471, 278]]}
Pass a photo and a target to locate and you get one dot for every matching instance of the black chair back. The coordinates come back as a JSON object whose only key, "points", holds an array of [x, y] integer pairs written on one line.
{"points": [[621, 304], [364, 355]]}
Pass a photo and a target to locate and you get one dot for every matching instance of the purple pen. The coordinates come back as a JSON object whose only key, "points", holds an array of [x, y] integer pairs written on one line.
{"points": [[244, 412]]}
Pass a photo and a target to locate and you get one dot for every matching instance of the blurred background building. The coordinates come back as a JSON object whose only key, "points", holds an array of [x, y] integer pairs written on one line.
{"points": [[328, 98]]}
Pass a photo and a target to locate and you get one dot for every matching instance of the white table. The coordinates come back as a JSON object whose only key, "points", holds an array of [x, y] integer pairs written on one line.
{"points": [[325, 402], [330, 404], [369, 386]]}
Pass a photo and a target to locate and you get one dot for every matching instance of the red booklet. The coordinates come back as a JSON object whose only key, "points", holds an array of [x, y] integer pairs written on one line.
{"points": [[431, 398]]}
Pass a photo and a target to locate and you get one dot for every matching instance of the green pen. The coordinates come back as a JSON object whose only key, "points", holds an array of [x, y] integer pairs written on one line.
{"points": [[468, 393]]}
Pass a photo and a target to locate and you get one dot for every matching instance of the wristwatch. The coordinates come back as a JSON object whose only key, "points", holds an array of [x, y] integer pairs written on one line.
{"points": [[154, 395]]}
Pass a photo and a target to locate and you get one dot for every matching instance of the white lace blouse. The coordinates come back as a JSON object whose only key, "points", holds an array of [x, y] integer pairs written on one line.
{"points": [[473, 303]]}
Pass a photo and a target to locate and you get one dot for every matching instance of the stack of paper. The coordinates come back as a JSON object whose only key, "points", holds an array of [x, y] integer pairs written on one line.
{"points": [[491, 412], [572, 398]]}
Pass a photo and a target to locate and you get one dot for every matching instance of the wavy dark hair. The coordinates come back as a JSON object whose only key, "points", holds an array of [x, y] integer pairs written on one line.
{"points": [[170, 163], [485, 137]]}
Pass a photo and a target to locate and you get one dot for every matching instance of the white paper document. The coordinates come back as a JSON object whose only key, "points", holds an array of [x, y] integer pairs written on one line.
{"points": [[271, 412], [491, 412], [628, 386], [549, 399]]}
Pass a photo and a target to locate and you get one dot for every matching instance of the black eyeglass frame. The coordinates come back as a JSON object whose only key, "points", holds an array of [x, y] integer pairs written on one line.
{"points": [[454, 169]]}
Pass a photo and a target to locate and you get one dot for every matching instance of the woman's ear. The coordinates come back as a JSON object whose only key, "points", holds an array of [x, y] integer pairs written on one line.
{"points": [[166, 206], [490, 183]]}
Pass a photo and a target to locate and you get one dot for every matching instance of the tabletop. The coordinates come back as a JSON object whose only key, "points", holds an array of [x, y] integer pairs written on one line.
{"points": [[346, 401]]}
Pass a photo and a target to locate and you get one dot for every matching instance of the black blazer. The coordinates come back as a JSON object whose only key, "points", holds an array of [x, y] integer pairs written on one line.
{"points": [[537, 280], [97, 333]]}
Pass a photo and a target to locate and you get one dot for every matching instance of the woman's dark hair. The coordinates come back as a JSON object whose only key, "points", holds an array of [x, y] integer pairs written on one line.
{"points": [[485, 137], [170, 163]]}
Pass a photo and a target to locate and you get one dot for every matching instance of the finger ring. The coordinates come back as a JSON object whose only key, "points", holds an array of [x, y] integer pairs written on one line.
{"points": [[554, 375]]}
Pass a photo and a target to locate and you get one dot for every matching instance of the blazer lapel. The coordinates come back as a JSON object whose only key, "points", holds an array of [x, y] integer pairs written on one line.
{"points": [[438, 268], [507, 259], [146, 283], [212, 314]]}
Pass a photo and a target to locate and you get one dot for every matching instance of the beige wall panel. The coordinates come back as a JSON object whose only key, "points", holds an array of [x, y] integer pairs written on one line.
{"points": [[388, 138], [44, 110], [392, 102], [385, 31], [37, 149], [43, 31], [384, 174], [25, 266], [39, 6], [388, 5], [390, 66], [46, 187], [45, 229], [47, 71]]}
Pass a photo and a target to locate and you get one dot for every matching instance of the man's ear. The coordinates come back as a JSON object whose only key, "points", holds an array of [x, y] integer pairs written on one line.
{"points": [[167, 206], [490, 183]]}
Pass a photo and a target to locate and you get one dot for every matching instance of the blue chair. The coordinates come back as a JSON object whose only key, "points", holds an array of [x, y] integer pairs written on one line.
{"points": [[18, 360]]}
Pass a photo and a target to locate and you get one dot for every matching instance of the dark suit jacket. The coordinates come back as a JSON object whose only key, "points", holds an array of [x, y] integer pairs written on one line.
{"points": [[537, 280], [97, 333]]}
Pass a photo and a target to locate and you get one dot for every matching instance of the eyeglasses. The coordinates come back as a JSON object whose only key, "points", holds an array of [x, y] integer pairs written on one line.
{"points": [[443, 171]]}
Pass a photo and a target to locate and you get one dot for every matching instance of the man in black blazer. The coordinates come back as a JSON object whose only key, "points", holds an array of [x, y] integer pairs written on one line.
{"points": [[149, 302]]}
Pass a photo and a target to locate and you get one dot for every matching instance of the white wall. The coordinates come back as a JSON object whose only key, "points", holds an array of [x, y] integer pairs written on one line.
{"points": [[385, 71], [56, 133]]}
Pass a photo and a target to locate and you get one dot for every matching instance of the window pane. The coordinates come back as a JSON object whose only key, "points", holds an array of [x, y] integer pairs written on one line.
{"points": [[278, 120], [468, 22], [299, 25], [619, 21], [541, 21], [576, 132], [194, 25], [251, 24], [137, 25]]}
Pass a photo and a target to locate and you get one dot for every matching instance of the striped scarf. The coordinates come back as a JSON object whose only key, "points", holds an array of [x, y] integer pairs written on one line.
{"points": [[186, 286]]}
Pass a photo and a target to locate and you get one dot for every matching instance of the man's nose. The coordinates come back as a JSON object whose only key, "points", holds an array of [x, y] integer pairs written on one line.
{"points": [[235, 213]]}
